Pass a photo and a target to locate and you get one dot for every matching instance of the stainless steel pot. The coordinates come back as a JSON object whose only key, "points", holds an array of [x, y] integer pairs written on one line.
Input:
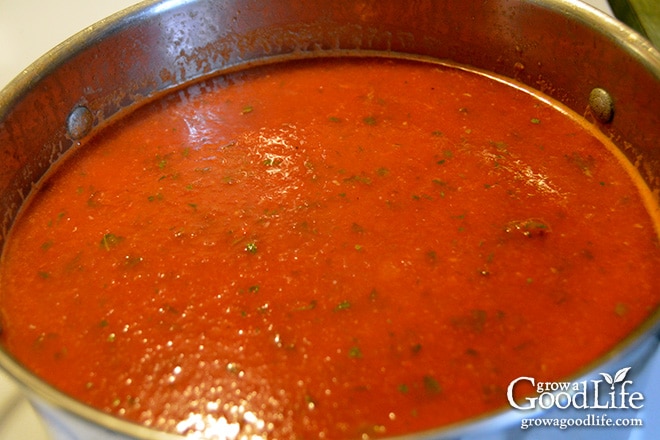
{"points": [[593, 64]]}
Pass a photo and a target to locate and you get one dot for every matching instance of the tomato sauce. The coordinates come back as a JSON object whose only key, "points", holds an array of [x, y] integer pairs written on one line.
{"points": [[328, 249]]}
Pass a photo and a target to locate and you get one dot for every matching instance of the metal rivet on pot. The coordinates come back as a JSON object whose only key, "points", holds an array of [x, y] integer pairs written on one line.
{"points": [[601, 104], [79, 122]]}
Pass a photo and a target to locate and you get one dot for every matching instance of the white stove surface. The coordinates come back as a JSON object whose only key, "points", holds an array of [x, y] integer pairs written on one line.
{"points": [[28, 29]]}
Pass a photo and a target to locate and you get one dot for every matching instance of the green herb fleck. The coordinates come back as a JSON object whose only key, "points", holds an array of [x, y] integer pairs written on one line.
{"points": [[474, 322], [344, 305], [535, 121], [110, 240], [251, 247], [431, 385], [621, 309], [311, 403], [358, 179], [382, 171], [500, 145], [423, 196], [528, 228], [369, 120], [132, 260], [358, 229], [585, 164], [355, 353], [310, 306], [247, 109], [273, 161]]}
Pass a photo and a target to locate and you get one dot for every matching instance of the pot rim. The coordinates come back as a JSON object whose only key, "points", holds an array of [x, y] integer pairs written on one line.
{"points": [[620, 34]]}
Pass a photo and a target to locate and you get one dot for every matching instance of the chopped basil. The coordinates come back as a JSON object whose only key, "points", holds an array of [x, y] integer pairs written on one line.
{"points": [[233, 368], [157, 196], [585, 164], [621, 309], [110, 240], [309, 400], [355, 352], [251, 247], [382, 171], [310, 306], [431, 385], [369, 120], [357, 228], [358, 179], [529, 227], [344, 305], [132, 260]]}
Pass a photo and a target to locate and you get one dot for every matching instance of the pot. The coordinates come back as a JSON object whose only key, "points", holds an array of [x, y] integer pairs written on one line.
{"points": [[582, 58]]}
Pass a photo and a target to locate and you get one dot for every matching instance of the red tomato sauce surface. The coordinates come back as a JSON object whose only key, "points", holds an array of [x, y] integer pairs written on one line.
{"points": [[329, 249]]}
